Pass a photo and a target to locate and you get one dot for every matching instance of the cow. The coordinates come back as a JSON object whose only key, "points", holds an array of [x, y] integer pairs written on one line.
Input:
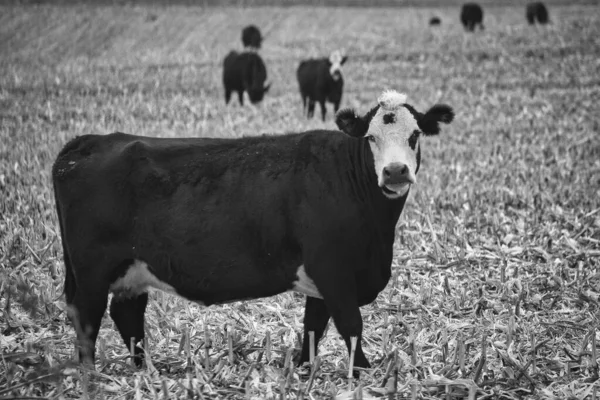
{"points": [[536, 12], [245, 72], [435, 21], [471, 15], [251, 37], [321, 80], [219, 220]]}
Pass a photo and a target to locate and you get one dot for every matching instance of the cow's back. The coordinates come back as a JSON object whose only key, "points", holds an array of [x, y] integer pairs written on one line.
{"points": [[232, 71], [312, 75]]}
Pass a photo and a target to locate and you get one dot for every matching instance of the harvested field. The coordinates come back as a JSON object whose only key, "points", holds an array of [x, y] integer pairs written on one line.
{"points": [[496, 277]]}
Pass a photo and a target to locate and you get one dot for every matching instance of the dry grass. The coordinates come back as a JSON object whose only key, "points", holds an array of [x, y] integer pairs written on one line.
{"points": [[496, 278]]}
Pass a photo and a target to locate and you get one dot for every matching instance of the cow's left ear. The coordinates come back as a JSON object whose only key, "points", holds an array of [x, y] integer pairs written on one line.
{"points": [[350, 123], [430, 121], [344, 59], [353, 125]]}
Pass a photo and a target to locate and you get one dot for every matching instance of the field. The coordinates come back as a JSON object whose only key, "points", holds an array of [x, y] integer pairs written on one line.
{"points": [[496, 277]]}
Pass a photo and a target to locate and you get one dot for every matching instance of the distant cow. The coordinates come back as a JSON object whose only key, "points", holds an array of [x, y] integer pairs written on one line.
{"points": [[219, 220], [471, 15], [251, 37], [245, 72], [537, 12], [321, 80], [435, 21]]}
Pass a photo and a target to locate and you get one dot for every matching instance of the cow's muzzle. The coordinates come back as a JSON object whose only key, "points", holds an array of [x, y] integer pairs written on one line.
{"points": [[396, 180]]}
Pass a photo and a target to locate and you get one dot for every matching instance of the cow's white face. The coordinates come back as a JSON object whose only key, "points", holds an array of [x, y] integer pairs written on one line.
{"points": [[393, 136], [336, 60], [393, 130]]}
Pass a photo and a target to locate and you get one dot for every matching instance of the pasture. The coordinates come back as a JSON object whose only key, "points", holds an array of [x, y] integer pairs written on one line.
{"points": [[496, 276]]}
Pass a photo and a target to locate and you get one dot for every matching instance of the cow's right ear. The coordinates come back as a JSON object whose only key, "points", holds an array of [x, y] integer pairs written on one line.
{"points": [[350, 123]]}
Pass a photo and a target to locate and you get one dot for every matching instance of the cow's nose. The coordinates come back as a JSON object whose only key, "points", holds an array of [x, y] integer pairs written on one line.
{"points": [[396, 173]]}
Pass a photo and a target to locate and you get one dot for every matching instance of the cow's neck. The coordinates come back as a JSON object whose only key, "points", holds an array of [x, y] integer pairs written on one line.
{"points": [[385, 212]]}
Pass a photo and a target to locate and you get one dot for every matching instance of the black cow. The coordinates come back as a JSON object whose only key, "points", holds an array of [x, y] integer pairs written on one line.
{"points": [[251, 37], [471, 15], [537, 12], [245, 72], [435, 21], [321, 80], [218, 220]]}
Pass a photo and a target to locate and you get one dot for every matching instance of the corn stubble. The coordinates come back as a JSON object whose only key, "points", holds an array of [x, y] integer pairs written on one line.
{"points": [[495, 282]]}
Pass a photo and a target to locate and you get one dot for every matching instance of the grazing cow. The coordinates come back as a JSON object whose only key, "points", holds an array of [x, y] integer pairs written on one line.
{"points": [[435, 21], [471, 15], [537, 12], [245, 72], [321, 80], [219, 220], [251, 37]]}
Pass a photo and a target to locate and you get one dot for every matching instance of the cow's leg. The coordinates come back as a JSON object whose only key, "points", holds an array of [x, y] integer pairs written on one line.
{"points": [[303, 104], [89, 305], [337, 285], [311, 108], [227, 95], [128, 314], [323, 109], [316, 317], [241, 97], [336, 106]]}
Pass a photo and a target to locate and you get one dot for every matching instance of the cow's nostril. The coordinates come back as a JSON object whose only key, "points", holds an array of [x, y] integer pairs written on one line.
{"points": [[396, 173]]}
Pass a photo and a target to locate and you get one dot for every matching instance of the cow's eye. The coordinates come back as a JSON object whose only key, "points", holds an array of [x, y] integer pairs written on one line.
{"points": [[412, 140], [371, 138]]}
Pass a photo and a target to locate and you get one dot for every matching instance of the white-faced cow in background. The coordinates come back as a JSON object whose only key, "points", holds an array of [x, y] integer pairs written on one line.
{"points": [[321, 80], [218, 220], [245, 72]]}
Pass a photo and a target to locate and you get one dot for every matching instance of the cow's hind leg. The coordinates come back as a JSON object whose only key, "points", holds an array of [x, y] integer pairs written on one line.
{"points": [[304, 101], [128, 315], [311, 108], [89, 305], [316, 317], [323, 109]]}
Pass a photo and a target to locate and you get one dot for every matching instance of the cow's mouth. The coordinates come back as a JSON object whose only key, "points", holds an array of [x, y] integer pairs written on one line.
{"points": [[395, 191]]}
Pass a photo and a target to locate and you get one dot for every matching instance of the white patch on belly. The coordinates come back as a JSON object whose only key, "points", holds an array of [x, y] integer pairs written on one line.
{"points": [[305, 285], [137, 280]]}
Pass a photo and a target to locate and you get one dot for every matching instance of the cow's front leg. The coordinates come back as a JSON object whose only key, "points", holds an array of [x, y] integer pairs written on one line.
{"points": [[337, 285], [348, 321], [316, 317]]}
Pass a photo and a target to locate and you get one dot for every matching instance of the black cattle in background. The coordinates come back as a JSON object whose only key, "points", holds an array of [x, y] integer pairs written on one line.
{"points": [[471, 15], [251, 37], [321, 80], [245, 72], [537, 12], [435, 21]]}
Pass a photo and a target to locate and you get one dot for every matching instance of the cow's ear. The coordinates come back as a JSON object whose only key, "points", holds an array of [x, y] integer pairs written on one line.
{"points": [[350, 123], [430, 121], [347, 120], [344, 59]]}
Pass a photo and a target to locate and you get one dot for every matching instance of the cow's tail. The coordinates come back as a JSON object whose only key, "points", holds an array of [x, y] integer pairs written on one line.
{"points": [[70, 281]]}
